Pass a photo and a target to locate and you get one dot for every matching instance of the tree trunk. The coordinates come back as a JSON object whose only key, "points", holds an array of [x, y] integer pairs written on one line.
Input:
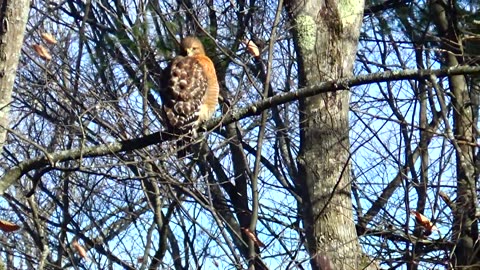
{"points": [[465, 225], [326, 36], [13, 18]]}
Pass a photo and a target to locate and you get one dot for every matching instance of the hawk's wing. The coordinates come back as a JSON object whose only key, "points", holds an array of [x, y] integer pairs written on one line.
{"points": [[210, 100], [183, 94]]}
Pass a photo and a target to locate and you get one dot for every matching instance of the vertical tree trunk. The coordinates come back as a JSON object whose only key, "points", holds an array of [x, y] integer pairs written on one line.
{"points": [[326, 36], [465, 226], [13, 18]]}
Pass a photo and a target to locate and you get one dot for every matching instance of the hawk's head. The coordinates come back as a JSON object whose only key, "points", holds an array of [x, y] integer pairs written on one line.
{"points": [[192, 46]]}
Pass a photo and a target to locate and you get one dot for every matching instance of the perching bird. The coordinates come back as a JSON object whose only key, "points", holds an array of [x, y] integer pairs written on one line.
{"points": [[190, 94]]}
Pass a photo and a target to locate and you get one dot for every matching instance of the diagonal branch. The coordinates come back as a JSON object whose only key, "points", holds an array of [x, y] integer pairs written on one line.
{"points": [[12, 175]]}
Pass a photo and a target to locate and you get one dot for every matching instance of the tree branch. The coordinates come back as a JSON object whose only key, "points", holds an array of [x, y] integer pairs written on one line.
{"points": [[12, 175]]}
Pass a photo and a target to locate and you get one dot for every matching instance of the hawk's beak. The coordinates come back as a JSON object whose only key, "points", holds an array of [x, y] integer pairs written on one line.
{"points": [[189, 51]]}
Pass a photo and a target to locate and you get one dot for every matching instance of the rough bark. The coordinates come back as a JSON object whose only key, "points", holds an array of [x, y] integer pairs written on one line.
{"points": [[13, 18], [465, 227], [326, 36]]}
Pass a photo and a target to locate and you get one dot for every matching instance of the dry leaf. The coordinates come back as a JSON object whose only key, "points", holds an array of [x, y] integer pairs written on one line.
{"points": [[140, 259], [80, 250], [252, 48], [49, 38], [253, 237], [8, 226], [424, 221], [42, 52]]}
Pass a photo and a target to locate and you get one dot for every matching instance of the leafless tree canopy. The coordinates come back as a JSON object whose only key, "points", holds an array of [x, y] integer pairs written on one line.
{"points": [[93, 179]]}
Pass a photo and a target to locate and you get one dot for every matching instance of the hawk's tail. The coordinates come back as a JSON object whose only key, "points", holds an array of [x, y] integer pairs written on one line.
{"points": [[186, 144]]}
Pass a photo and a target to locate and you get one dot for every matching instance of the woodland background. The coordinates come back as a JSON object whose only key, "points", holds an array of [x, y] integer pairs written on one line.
{"points": [[353, 119]]}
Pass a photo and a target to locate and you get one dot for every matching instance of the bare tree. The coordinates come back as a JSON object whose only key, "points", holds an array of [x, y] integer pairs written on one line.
{"points": [[325, 36], [462, 134], [13, 15], [94, 180]]}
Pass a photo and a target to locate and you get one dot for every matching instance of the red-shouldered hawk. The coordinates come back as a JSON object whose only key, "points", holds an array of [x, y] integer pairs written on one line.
{"points": [[190, 94]]}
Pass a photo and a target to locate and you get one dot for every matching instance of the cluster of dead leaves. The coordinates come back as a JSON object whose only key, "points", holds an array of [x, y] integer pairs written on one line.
{"points": [[252, 48], [8, 226], [81, 251], [253, 237], [41, 50], [424, 222]]}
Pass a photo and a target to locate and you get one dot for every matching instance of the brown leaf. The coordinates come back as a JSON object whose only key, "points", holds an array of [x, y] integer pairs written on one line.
{"points": [[80, 250], [424, 221], [8, 226], [42, 52], [140, 259], [253, 237], [252, 48], [49, 38]]}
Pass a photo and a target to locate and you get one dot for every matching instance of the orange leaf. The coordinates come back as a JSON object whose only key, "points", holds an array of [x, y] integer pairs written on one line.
{"points": [[42, 52], [80, 250], [252, 48], [424, 221], [8, 226], [49, 38], [253, 237]]}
